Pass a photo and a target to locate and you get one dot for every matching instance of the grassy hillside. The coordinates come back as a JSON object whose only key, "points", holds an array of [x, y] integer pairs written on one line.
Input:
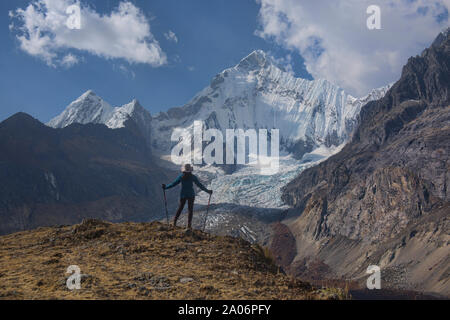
{"points": [[142, 261]]}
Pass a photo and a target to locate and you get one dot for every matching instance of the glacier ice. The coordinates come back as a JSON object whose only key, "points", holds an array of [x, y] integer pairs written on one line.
{"points": [[254, 94]]}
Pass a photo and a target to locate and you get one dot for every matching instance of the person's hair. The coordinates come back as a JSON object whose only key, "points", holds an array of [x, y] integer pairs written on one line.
{"points": [[186, 175]]}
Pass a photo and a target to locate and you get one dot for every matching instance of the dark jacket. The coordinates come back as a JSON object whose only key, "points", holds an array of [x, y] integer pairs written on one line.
{"points": [[187, 185]]}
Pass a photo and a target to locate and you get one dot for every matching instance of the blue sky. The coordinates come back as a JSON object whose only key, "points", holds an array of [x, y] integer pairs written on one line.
{"points": [[316, 39], [212, 36]]}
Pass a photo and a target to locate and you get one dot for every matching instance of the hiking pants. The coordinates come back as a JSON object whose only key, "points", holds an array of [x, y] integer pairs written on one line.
{"points": [[190, 209]]}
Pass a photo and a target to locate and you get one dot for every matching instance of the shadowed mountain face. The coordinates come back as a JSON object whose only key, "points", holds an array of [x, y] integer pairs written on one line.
{"points": [[384, 199], [59, 176]]}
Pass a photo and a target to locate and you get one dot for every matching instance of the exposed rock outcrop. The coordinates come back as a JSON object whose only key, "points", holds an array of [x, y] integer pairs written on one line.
{"points": [[394, 174]]}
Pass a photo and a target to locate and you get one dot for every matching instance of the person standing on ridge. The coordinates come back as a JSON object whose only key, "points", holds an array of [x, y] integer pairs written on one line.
{"points": [[187, 193]]}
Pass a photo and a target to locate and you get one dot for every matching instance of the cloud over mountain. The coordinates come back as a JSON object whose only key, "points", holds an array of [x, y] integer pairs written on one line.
{"points": [[42, 30], [336, 44]]}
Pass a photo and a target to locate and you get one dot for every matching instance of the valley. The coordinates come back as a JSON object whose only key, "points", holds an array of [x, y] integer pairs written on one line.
{"points": [[361, 180]]}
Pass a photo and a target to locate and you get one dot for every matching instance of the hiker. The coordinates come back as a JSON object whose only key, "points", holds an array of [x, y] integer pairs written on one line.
{"points": [[187, 193]]}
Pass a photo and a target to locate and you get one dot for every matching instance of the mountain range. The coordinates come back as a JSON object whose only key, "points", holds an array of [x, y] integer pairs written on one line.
{"points": [[362, 180], [315, 118], [256, 93]]}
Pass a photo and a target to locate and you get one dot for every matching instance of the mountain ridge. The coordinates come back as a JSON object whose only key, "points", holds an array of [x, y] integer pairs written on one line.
{"points": [[256, 93], [54, 176], [392, 175]]}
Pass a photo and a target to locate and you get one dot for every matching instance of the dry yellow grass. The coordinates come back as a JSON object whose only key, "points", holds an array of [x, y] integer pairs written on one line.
{"points": [[141, 261]]}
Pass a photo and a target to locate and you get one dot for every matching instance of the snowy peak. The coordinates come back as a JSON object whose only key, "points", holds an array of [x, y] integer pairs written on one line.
{"points": [[88, 108], [87, 94], [88, 97], [132, 108], [132, 111], [259, 61], [259, 94], [254, 94], [254, 61]]}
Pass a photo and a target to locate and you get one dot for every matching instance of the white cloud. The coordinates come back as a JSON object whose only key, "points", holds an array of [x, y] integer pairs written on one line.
{"points": [[333, 38], [171, 36], [284, 62], [122, 34], [127, 72], [69, 60]]}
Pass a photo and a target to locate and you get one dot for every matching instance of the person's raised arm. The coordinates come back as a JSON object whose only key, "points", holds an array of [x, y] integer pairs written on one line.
{"points": [[173, 184]]}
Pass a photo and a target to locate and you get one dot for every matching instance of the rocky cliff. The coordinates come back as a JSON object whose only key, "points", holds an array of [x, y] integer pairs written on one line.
{"points": [[393, 175]]}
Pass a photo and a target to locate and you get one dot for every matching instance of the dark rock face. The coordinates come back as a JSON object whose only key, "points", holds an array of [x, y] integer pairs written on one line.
{"points": [[283, 244], [59, 176], [300, 148], [393, 173]]}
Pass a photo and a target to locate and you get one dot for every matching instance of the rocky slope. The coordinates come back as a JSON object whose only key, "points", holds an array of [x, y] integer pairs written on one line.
{"points": [[384, 199], [142, 261], [59, 176]]}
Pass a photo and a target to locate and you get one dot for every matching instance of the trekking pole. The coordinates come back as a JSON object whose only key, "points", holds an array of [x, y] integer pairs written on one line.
{"points": [[207, 209], [165, 204]]}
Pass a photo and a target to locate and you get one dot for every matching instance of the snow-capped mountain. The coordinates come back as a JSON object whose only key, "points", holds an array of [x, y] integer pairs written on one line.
{"points": [[257, 94], [315, 119], [89, 108]]}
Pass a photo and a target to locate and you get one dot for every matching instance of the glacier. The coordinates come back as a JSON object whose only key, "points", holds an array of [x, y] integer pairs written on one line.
{"points": [[247, 187], [315, 119]]}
